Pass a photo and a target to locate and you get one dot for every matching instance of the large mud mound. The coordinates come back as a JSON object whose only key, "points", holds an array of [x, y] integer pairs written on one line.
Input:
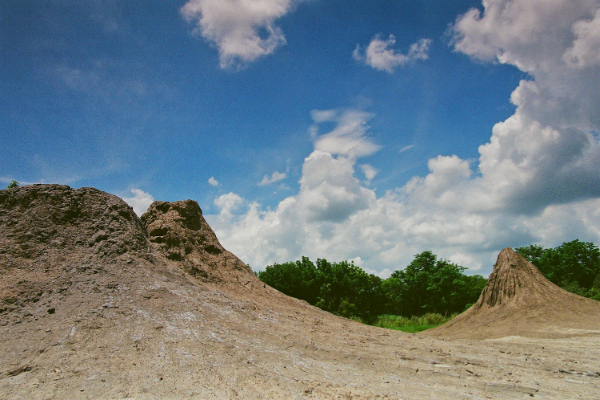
{"points": [[48, 232], [38, 219], [51, 233], [519, 301]]}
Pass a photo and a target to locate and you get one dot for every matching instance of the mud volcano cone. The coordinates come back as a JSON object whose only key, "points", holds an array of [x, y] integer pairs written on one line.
{"points": [[519, 301], [515, 282]]}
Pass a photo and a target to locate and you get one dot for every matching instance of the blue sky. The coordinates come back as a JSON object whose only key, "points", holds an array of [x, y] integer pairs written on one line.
{"points": [[364, 130]]}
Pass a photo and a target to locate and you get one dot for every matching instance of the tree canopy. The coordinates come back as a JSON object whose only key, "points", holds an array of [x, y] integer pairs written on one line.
{"points": [[342, 288], [426, 285], [574, 266], [431, 285]]}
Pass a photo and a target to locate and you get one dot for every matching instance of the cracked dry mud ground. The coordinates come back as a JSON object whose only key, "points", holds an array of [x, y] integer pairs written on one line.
{"points": [[94, 319], [159, 335]]}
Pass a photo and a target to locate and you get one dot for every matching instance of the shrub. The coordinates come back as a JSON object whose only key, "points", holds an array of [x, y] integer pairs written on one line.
{"points": [[413, 324], [13, 184]]}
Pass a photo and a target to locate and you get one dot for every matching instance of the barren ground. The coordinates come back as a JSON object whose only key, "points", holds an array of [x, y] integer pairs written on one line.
{"points": [[76, 325], [161, 336]]}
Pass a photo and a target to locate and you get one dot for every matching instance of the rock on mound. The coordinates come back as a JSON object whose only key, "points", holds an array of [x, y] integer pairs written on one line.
{"points": [[519, 300], [179, 232]]}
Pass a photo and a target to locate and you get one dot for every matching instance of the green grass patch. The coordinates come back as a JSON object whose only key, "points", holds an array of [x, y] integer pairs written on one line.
{"points": [[412, 324]]}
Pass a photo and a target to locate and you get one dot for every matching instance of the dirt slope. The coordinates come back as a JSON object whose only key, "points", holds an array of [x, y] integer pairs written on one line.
{"points": [[519, 300], [96, 303]]}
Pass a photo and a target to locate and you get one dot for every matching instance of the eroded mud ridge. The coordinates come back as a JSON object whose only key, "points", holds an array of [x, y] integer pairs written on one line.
{"points": [[98, 303]]}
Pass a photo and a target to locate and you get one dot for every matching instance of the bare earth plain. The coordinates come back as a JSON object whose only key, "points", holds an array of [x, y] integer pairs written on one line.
{"points": [[98, 303]]}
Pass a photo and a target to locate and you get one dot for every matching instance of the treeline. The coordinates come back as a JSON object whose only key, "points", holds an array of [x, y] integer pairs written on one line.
{"points": [[574, 266], [426, 285]]}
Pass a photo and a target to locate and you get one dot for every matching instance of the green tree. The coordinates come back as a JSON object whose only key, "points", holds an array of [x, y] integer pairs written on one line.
{"points": [[346, 289], [13, 184], [429, 285], [532, 253], [342, 288], [297, 279], [474, 285], [395, 288], [574, 266], [426, 285]]}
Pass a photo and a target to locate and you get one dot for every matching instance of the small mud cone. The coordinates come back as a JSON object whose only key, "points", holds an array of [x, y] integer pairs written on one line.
{"points": [[519, 301], [516, 280]]}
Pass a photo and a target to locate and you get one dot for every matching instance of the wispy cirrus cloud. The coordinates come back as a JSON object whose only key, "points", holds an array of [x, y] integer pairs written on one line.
{"points": [[275, 177], [406, 148]]}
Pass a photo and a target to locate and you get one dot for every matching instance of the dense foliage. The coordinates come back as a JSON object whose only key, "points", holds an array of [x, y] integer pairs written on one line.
{"points": [[574, 266], [13, 184], [342, 288], [427, 285]]}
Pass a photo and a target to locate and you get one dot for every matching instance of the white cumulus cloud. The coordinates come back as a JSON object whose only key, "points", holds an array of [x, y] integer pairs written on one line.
{"points": [[380, 54], [350, 137], [213, 182], [328, 189], [369, 171], [242, 30], [228, 203], [140, 201], [546, 152], [585, 51], [536, 180]]}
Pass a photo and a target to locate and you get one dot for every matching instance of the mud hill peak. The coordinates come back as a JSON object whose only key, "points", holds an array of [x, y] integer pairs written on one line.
{"points": [[517, 282], [40, 220], [179, 232]]}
